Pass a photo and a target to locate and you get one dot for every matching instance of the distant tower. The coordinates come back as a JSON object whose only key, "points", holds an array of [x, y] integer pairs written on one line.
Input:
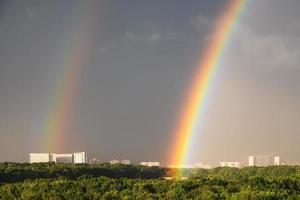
{"points": [[251, 161], [276, 160]]}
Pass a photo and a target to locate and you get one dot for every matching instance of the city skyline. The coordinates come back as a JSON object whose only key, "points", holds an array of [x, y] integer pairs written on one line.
{"points": [[84, 157], [111, 78]]}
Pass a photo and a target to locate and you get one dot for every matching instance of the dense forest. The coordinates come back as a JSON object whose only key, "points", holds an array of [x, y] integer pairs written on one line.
{"points": [[104, 181]]}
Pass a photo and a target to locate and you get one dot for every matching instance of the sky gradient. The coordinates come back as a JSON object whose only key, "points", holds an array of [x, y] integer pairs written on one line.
{"points": [[136, 73]]}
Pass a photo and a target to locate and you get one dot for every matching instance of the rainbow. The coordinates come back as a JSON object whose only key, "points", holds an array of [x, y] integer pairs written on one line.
{"points": [[76, 47], [193, 107]]}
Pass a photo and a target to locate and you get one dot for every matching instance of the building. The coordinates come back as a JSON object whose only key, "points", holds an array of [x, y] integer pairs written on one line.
{"points": [[263, 160], [114, 161], [39, 157], [125, 162], [80, 157], [61, 158], [181, 166], [150, 164], [251, 161], [230, 164], [94, 161], [276, 160], [202, 165]]}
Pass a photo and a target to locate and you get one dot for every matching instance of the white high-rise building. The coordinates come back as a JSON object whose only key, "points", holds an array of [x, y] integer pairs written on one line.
{"points": [[61, 158], [39, 157], [58, 158], [150, 164], [230, 164], [80, 157], [276, 160], [251, 161], [263, 160]]}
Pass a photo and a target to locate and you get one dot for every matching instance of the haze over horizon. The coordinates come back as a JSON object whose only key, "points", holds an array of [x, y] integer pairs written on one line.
{"points": [[138, 67]]}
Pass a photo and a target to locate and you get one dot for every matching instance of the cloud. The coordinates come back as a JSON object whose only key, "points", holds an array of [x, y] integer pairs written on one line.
{"points": [[152, 37], [106, 48], [200, 22], [131, 36], [271, 51], [249, 48], [29, 12], [266, 41]]}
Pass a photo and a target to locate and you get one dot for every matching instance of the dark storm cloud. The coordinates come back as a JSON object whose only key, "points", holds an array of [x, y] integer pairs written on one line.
{"points": [[141, 61]]}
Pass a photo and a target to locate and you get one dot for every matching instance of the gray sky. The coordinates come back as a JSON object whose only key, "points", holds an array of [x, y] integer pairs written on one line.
{"points": [[139, 64]]}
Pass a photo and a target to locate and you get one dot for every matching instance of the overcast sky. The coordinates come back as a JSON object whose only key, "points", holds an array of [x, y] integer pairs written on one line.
{"points": [[137, 68]]}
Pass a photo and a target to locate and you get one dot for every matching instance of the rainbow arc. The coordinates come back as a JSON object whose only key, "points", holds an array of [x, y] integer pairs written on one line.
{"points": [[76, 47], [192, 110]]}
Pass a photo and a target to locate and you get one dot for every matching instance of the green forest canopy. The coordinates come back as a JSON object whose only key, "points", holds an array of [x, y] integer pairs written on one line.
{"points": [[105, 181]]}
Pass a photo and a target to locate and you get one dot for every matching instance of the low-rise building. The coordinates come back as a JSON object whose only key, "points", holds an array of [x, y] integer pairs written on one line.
{"points": [[150, 164], [125, 162], [39, 157], [202, 165], [230, 164], [114, 161], [94, 161], [181, 166]]}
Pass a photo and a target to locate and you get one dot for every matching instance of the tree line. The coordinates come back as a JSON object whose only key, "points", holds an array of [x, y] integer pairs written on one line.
{"points": [[114, 182], [14, 172]]}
